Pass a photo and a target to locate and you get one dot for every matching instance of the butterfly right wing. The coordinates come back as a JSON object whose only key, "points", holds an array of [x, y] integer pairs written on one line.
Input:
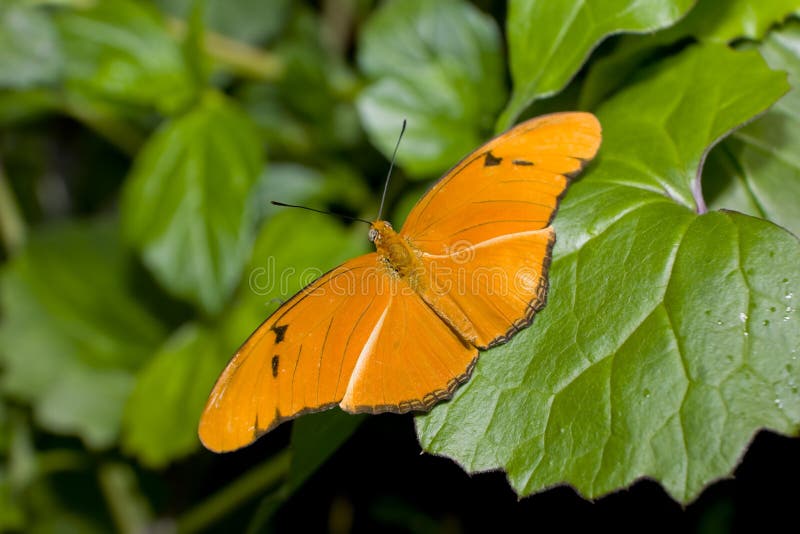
{"points": [[300, 359], [510, 185]]}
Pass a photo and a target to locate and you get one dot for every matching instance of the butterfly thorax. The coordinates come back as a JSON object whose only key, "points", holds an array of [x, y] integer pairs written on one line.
{"points": [[399, 256]]}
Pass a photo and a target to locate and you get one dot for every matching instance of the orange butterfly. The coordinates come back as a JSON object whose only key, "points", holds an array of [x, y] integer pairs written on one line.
{"points": [[399, 329]]}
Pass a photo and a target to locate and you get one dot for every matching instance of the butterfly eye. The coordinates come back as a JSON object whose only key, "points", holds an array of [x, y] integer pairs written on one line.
{"points": [[373, 234]]}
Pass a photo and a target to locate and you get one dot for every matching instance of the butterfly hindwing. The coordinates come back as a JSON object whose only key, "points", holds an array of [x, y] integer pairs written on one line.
{"points": [[412, 360], [497, 284]]}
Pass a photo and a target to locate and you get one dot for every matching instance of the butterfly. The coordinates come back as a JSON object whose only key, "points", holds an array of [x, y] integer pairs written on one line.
{"points": [[399, 329]]}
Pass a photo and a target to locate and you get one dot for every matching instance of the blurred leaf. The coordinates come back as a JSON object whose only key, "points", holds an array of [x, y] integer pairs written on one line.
{"points": [[296, 184], [12, 517], [757, 170], [437, 64], [186, 201], [247, 20], [120, 50], [308, 110], [163, 412], [406, 203], [72, 330], [549, 41], [21, 106], [30, 53], [711, 20], [670, 337]]}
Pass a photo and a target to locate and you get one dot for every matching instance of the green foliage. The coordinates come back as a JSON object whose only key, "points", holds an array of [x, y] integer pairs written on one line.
{"points": [[186, 203], [120, 50], [73, 330], [438, 65], [139, 247], [757, 169], [29, 47], [549, 41]]}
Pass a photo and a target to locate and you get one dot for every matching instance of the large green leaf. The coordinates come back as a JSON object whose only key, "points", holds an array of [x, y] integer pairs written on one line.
{"points": [[671, 335], [757, 170], [120, 50], [186, 204], [549, 41], [438, 65], [29, 47], [711, 20], [72, 331]]}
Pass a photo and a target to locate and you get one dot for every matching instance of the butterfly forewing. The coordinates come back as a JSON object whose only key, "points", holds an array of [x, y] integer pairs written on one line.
{"points": [[511, 184]]}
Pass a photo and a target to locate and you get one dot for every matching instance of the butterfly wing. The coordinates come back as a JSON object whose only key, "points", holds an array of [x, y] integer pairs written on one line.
{"points": [[412, 359], [511, 184], [484, 229], [300, 359]]}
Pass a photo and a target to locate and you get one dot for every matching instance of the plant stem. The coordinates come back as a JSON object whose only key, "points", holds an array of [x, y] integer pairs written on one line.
{"points": [[129, 508], [12, 225], [242, 58], [264, 476]]}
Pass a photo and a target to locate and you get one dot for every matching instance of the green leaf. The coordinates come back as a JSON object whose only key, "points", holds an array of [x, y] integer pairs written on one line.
{"points": [[711, 20], [72, 330], [247, 20], [670, 337], [163, 412], [297, 184], [120, 50], [722, 21], [309, 111], [186, 201], [757, 170], [30, 53], [549, 41], [438, 65]]}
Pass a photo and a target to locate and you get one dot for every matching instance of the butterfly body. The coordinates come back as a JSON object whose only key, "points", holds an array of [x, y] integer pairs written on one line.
{"points": [[396, 252], [400, 329]]}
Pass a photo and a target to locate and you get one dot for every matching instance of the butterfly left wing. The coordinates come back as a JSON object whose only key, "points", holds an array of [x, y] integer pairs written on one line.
{"points": [[300, 359]]}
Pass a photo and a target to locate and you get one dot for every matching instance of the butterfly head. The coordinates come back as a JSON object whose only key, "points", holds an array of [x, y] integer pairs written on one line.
{"points": [[379, 230]]}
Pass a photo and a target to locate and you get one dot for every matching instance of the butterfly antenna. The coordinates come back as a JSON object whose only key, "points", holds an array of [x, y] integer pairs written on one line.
{"points": [[348, 217], [391, 166]]}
